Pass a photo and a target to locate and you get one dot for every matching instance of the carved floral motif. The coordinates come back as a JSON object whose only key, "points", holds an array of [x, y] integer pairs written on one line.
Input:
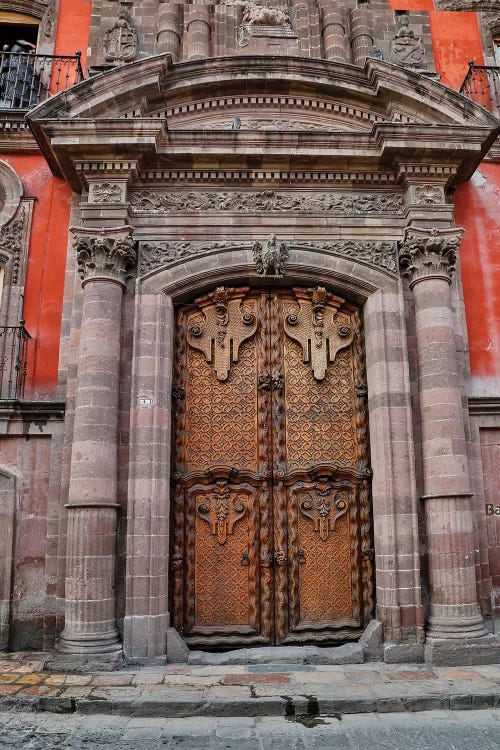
{"points": [[221, 508], [429, 252], [150, 201], [324, 507], [106, 255], [429, 194], [270, 256], [221, 327], [11, 244], [106, 192], [316, 329]]}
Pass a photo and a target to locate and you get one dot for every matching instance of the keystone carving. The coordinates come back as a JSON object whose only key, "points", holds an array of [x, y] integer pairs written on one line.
{"points": [[271, 256], [316, 329], [121, 40], [426, 253], [107, 255]]}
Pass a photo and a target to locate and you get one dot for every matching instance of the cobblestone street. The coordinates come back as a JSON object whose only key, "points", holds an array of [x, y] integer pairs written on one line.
{"points": [[432, 730]]}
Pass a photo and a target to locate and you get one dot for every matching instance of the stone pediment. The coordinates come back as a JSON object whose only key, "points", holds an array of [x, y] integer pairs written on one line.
{"points": [[153, 108]]}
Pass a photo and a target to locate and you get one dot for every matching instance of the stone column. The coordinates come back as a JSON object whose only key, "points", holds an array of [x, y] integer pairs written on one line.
{"points": [[169, 34], [361, 37], [428, 258], [197, 20], [90, 625], [333, 30]]}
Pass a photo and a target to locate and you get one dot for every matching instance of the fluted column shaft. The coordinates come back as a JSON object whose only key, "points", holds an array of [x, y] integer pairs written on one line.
{"points": [[90, 608], [428, 258], [333, 33], [361, 36], [197, 19], [169, 34]]}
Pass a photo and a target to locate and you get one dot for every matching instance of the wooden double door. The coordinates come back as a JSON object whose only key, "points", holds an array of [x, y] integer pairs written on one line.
{"points": [[271, 520]]}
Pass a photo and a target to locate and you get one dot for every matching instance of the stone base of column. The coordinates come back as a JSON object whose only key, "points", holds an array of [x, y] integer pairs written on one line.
{"points": [[104, 643], [484, 650], [455, 629]]}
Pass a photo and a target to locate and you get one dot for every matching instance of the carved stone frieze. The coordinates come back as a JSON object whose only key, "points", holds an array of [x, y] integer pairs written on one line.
{"points": [[270, 257], [428, 253], [11, 244], [151, 201], [105, 192], [377, 253], [428, 194], [121, 41], [105, 255]]}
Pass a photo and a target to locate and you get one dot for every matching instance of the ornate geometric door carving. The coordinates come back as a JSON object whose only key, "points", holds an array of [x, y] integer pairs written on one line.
{"points": [[271, 513]]}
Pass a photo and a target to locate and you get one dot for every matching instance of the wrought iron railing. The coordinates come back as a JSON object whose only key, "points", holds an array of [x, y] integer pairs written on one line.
{"points": [[13, 361], [482, 85], [27, 79]]}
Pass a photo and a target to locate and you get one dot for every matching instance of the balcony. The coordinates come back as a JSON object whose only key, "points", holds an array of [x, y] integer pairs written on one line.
{"points": [[482, 85], [13, 362], [28, 79]]}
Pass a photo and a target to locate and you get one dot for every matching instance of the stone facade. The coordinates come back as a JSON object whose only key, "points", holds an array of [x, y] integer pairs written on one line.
{"points": [[215, 133]]}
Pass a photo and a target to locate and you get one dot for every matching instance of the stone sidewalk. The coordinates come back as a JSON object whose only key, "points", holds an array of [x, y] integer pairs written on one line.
{"points": [[180, 690]]}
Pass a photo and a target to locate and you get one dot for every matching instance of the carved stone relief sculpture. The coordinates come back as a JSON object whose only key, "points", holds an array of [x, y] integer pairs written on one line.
{"points": [[121, 41], [407, 47], [261, 20]]}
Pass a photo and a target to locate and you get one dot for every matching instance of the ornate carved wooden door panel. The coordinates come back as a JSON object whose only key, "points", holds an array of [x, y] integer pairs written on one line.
{"points": [[271, 500]]}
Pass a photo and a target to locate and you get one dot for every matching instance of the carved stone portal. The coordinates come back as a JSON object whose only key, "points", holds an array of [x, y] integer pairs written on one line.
{"points": [[316, 329]]}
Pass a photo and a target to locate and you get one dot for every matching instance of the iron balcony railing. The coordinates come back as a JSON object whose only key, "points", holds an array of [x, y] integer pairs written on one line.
{"points": [[27, 79], [13, 361], [482, 85]]}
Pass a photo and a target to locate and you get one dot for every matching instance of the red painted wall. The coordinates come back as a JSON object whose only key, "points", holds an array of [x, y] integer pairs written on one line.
{"points": [[456, 40], [477, 209], [49, 237]]}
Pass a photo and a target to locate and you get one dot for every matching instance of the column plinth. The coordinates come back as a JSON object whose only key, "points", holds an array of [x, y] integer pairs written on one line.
{"points": [[428, 259], [90, 606]]}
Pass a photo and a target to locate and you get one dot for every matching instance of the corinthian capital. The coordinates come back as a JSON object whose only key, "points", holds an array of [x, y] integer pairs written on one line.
{"points": [[106, 254], [429, 253]]}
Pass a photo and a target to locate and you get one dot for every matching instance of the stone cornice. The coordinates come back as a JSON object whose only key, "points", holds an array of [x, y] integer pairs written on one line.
{"points": [[104, 254], [429, 253]]}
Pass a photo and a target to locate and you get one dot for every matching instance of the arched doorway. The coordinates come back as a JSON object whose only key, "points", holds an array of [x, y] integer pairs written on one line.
{"points": [[271, 515]]}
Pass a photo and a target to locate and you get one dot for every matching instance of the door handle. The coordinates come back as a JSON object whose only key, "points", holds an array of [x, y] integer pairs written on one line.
{"points": [[302, 557], [245, 560]]}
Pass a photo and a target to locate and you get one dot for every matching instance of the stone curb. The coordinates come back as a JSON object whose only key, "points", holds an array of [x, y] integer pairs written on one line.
{"points": [[247, 707]]}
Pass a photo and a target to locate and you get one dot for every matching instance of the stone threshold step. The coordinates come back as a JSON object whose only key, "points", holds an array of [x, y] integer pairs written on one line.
{"points": [[350, 653], [287, 706]]}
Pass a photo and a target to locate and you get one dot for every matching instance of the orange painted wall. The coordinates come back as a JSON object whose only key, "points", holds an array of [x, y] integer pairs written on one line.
{"points": [[49, 236], [411, 4], [476, 209], [44, 286]]}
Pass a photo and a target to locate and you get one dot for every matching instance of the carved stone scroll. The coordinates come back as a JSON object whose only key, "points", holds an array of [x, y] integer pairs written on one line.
{"points": [[221, 508], [324, 506], [221, 327], [315, 328]]}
